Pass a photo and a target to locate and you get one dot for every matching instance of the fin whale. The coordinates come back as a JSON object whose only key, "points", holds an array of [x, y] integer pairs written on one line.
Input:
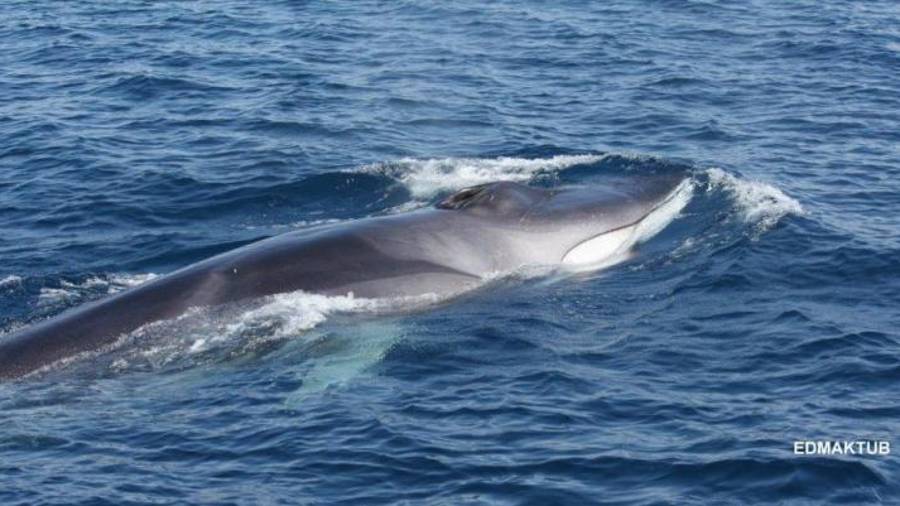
{"points": [[443, 250]]}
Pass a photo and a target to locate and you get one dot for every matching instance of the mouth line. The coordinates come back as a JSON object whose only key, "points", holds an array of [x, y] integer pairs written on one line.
{"points": [[630, 227]]}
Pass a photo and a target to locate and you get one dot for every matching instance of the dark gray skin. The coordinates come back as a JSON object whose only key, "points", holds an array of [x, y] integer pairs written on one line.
{"points": [[444, 250]]}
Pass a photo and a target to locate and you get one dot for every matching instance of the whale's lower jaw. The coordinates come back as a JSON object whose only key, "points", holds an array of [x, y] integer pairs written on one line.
{"points": [[615, 246]]}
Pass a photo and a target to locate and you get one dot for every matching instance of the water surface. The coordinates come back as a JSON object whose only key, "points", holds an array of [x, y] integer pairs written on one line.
{"points": [[138, 138]]}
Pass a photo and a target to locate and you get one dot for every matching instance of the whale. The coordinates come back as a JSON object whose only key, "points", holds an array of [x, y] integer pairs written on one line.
{"points": [[443, 250]]}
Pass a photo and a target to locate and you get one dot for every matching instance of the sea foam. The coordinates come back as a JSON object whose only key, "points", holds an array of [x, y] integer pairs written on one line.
{"points": [[757, 203], [425, 178]]}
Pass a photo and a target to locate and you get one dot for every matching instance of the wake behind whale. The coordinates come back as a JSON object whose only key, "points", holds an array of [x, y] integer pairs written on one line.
{"points": [[438, 252]]}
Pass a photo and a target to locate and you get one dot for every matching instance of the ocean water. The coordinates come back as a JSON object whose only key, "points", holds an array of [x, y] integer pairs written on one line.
{"points": [[139, 137]]}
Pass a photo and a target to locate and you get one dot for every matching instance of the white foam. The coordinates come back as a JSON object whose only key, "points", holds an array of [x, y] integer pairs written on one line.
{"points": [[300, 224], [68, 290], [10, 281], [296, 312], [119, 282], [425, 178], [289, 315], [53, 296], [406, 207], [314, 223], [88, 284], [210, 333], [758, 203], [893, 46]]}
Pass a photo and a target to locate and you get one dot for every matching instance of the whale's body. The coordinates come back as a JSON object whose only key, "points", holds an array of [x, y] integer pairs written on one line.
{"points": [[444, 250]]}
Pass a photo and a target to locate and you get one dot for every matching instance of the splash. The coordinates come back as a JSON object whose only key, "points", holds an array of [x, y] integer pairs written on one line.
{"points": [[214, 334], [760, 204], [293, 313], [118, 282], [290, 314], [218, 331], [69, 291], [54, 296], [296, 225], [243, 325], [10, 281], [426, 178]]}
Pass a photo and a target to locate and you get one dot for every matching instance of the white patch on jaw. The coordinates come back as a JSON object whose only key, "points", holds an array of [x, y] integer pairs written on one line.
{"points": [[603, 250], [615, 246]]}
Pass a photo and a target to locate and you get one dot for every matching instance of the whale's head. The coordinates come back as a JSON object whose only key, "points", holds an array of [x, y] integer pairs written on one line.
{"points": [[583, 226]]}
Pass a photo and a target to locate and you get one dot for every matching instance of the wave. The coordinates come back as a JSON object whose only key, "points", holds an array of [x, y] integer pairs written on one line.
{"points": [[149, 86], [71, 291], [757, 203], [10, 281], [428, 177]]}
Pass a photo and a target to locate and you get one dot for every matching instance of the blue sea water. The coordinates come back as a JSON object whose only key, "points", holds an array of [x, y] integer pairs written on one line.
{"points": [[139, 137]]}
